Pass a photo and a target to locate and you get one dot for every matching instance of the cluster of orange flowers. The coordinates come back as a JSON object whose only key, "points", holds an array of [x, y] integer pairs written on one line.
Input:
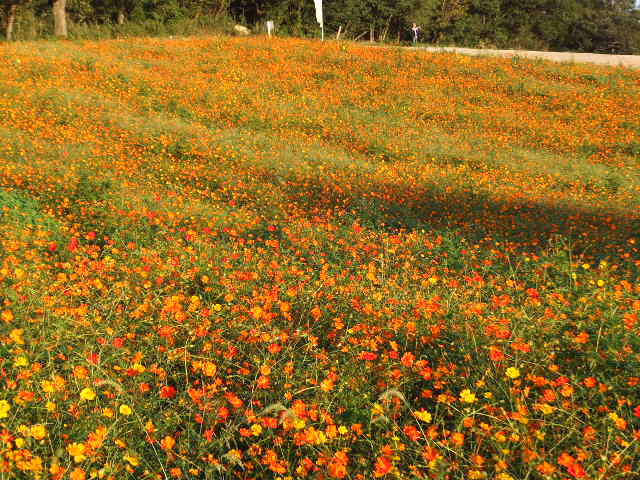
{"points": [[289, 259]]}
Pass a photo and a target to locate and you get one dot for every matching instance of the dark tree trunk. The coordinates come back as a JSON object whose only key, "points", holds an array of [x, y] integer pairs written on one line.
{"points": [[60, 18]]}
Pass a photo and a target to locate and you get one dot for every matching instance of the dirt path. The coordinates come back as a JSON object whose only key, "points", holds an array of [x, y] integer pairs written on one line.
{"points": [[629, 61]]}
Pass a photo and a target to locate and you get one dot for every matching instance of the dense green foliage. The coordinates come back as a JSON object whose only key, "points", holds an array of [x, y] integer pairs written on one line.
{"points": [[611, 26]]}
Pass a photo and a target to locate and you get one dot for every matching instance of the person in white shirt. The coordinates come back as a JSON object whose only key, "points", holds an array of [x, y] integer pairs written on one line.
{"points": [[415, 29]]}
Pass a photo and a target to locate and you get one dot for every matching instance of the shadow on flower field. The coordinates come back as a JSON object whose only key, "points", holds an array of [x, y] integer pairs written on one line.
{"points": [[294, 259]]}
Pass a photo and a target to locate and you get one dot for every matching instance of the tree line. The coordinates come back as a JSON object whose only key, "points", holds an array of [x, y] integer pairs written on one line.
{"points": [[611, 26]]}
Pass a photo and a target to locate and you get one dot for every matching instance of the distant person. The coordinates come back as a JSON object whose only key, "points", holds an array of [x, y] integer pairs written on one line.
{"points": [[414, 32]]}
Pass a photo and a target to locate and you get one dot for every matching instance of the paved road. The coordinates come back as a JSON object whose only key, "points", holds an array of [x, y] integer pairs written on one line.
{"points": [[630, 61]]}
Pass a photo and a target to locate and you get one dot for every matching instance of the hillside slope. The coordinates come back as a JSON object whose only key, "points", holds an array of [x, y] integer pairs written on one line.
{"points": [[232, 258]]}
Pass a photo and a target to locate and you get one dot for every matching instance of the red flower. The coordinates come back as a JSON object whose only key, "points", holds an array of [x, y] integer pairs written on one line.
{"points": [[208, 434], [270, 422], [412, 432], [533, 293], [576, 471], [223, 414], [167, 391], [368, 356], [496, 354], [636, 411], [73, 244]]}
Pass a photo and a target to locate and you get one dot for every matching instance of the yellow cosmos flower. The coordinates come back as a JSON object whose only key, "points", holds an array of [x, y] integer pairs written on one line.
{"points": [[125, 410], [21, 362], [134, 461], [87, 394], [513, 372], [423, 415], [545, 408], [47, 386], [476, 475], [467, 397], [38, 432], [77, 451], [16, 336], [4, 409], [139, 367]]}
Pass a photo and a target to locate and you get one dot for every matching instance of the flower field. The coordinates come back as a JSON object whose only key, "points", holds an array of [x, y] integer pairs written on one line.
{"points": [[234, 258]]}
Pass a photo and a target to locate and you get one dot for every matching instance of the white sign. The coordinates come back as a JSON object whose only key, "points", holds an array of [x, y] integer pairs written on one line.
{"points": [[319, 17]]}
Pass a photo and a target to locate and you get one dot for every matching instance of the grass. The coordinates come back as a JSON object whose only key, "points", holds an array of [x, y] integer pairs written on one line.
{"points": [[241, 258]]}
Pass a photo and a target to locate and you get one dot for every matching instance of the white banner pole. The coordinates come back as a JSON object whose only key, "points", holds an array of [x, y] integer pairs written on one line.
{"points": [[320, 17]]}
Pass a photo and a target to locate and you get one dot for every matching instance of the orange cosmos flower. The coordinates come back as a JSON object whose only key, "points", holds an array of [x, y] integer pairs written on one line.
{"points": [[546, 468], [412, 433], [457, 438], [168, 442], [263, 382], [338, 466], [383, 466], [77, 451], [209, 369], [77, 474], [407, 359], [233, 400], [326, 385], [566, 460]]}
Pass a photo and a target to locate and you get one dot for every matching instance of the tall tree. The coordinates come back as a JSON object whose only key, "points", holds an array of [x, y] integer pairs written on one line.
{"points": [[11, 8], [197, 8], [60, 18]]}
